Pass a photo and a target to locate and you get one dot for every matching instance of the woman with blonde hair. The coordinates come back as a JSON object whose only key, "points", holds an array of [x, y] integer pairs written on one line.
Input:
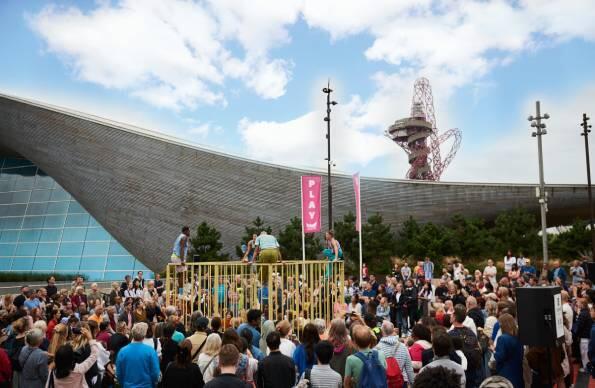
{"points": [[81, 347], [59, 338], [208, 355], [509, 352], [491, 308], [267, 328]]}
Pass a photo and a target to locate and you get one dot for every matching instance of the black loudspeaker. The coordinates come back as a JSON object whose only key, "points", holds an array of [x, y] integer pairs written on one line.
{"points": [[539, 315], [590, 271]]}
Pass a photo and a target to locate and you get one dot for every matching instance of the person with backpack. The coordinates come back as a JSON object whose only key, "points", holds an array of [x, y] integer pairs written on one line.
{"points": [[471, 347], [322, 375], [13, 345], [399, 368], [33, 361], [367, 367]]}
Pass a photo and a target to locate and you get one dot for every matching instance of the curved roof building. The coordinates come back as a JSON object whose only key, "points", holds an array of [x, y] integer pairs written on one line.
{"points": [[141, 187]]}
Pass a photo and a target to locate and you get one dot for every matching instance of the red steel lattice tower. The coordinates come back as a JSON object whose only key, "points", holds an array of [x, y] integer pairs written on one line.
{"points": [[418, 135]]}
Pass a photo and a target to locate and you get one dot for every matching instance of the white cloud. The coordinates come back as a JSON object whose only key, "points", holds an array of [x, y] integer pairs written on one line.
{"points": [[171, 54], [204, 130], [513, 157], [301, 141]]}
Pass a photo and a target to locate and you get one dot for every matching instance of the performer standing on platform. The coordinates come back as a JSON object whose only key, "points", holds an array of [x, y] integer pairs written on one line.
{"points": [[250, 249], [333, 249], [267, 251], [180, 254]]}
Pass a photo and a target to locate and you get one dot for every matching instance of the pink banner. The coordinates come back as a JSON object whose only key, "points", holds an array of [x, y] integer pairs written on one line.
{"points": [[358, 212], [311, 198]]}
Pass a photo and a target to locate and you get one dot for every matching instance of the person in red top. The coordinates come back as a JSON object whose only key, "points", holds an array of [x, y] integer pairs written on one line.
{"points": [[52, 323], [5, 369], [79, 297]]}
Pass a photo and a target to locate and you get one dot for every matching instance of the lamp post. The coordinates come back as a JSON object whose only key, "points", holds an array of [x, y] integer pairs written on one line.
{"points": [[585, 133], [327, 90], [541, 194]]}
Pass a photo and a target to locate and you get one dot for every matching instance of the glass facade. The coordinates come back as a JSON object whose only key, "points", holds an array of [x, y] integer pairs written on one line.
{"points": [[43, 229]]}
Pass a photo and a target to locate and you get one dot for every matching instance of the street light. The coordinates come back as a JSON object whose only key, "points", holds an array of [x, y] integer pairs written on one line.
{"points": [[541, 194], [327, 90], [585, 133]]}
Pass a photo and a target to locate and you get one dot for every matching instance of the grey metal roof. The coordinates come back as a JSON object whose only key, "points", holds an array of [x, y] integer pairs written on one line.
{"points": [[142, 186]]}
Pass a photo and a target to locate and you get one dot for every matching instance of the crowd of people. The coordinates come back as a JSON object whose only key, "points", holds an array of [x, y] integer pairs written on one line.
{"points": [[408, 329]]}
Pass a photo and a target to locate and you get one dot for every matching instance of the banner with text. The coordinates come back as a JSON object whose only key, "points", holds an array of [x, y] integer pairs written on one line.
{"points": [[358, 212], [311, 199]]}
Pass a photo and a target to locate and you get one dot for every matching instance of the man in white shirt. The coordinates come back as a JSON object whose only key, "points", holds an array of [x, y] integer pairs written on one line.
{"points": [[509, 260]]}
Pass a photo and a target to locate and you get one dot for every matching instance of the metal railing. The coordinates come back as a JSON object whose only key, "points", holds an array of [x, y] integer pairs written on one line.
{"points": [[285, 290]]}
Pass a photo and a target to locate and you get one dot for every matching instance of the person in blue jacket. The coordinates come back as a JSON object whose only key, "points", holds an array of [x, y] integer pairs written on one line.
{"points": [[509, 352], [304, 356], [558, 272]]}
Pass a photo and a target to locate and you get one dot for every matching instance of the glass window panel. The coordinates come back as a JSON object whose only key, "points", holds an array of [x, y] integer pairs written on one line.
{"points": [[37, 208], [116, 249], [5, 184], [33, 222], [43, 182], [120, 262], [47, 249], [50, 235], [11, 222], [68, 263], [71, 249], [96, 248], [16, 162], [115, 275], [5, 198], [13, 210], [54, 221], [20, 196], [93, 221], [7, 249], [57, 207], [44, 263], [26, 249], [93, 263], [22, 264], [5, 263], [76, 207], [97, 234], [30, 235], [25, 183], [9, 236], [59, 195], [41, 195], [91, 275], [74, 234], [77, 220]]}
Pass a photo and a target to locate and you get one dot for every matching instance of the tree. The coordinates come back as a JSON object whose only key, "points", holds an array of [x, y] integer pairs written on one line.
{"points": [[472, 238], [290, 240], [570, 243], [206, 243], [347, 236], [435, 241], [378, 244], [256, 227], [407, 238], [516, 230]]}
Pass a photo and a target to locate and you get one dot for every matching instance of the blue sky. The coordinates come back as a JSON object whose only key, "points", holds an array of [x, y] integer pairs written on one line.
{"points": [[245, 77]]}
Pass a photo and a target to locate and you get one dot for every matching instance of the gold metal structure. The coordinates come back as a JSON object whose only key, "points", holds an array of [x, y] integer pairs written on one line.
{"points": [[286, 290]]}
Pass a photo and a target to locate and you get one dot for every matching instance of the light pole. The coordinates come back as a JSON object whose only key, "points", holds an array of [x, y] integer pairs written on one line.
{"points": [[585, 133], [329, 103], [542, 195]]}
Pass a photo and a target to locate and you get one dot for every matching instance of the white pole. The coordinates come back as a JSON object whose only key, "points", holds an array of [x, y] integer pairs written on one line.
{"points": [[302, 217], [360, 254]]}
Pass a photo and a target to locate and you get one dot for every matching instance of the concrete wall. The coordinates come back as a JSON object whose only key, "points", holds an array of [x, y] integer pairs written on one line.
{"points": [[142, 187]]}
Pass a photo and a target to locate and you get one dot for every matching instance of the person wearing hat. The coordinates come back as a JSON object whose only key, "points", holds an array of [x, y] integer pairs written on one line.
{"points": [[199, 338]]}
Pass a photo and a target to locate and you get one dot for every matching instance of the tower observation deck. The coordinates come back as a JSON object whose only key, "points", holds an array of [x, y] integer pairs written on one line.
{"points": [[419, 137]]}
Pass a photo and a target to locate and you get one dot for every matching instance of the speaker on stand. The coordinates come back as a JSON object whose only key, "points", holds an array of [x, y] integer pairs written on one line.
{"points": [[540, 317]]}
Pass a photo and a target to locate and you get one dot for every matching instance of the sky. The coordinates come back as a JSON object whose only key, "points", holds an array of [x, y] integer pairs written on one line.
{"points": [[245, 77]]}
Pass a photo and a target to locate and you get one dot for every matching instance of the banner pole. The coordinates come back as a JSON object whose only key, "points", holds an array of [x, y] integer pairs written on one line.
{"points": [[302, 217], [360, 256]]}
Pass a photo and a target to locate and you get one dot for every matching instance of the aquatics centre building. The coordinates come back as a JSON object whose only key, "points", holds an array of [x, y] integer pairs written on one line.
{"points": [[83, 194]]}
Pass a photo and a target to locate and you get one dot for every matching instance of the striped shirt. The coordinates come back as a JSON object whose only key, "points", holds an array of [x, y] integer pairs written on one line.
{"points": [[391, 347], [322, 376]]}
